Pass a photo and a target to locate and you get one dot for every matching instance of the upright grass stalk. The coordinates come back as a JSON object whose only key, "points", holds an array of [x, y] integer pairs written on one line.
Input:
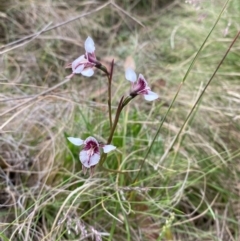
{"points": [[203, 91], [175, 97]]}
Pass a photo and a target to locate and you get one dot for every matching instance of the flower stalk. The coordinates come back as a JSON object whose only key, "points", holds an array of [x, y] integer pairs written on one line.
{"points": [[90, 155], [122, 103]]}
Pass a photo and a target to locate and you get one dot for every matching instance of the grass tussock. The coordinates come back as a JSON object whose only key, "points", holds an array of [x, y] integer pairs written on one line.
{"points": [[185, 190]]}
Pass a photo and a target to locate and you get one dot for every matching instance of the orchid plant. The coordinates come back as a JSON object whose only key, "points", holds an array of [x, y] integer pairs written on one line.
{"points": [[90, 155]]}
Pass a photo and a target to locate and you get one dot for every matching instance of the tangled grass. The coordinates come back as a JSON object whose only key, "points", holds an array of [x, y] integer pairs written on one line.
{"points": [[185, 190]]}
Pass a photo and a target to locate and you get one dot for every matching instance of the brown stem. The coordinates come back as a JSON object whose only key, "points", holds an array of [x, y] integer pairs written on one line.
{"points": [[119, 109], [110, 94]]}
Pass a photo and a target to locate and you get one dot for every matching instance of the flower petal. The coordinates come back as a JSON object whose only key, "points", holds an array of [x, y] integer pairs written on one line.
{"points": [[89, 45], [142, 79], [79, 69], [108, 148], [77, 61], [76, 141], [89, 160], [150, 96], [130, 75], [87, 72]]}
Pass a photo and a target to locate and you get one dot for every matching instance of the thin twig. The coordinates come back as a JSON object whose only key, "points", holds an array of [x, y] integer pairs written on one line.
{"points": [[126, 13], [32, 36], [27, 101]]}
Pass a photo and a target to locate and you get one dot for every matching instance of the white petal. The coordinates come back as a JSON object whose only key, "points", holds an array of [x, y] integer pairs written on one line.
{"points": [[151, 96], [75, 141], [89, 45], [79, 69], [84, 157], [87, 160], [130, 75], [95, 159], [108, 148], [77, 61], [87, 72]]}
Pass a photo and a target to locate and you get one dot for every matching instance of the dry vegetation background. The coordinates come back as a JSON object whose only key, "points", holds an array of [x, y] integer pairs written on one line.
{"points": [[187, 192]]}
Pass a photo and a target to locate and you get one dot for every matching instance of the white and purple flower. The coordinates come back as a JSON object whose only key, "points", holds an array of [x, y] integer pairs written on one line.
{"points": [[85, 63], [90, 155], [140, 86]]}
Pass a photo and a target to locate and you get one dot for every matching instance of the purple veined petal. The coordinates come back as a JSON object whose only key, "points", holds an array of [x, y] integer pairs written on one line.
{"points": [[142, 82], [141, 78], [89, 160], [91, 144], [88, 72], [150, 96], [76, 141], [77, 62], [91, 57], [108, 148], [141, 86], [89, 45], [130, 75]]}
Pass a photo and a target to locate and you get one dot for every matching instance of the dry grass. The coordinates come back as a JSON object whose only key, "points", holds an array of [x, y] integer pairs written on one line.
{"points": [[190, 194]]}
